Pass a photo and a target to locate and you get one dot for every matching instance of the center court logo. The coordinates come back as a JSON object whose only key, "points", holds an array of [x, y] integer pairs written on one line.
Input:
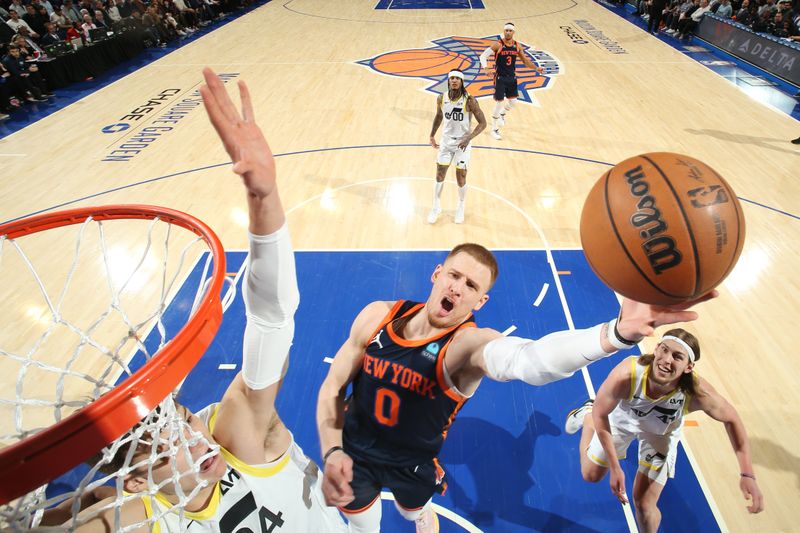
{"points": [[463, 53]]}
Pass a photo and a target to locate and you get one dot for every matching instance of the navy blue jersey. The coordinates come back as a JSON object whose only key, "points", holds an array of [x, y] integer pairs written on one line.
{"points": [[401, 407], [505, 60]]}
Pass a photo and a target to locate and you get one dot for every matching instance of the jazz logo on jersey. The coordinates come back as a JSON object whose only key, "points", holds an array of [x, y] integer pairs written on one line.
{"points": [[463, 53]]}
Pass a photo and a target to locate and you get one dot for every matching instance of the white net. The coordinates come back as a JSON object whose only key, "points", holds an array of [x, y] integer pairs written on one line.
{"points": [[84, 308]]}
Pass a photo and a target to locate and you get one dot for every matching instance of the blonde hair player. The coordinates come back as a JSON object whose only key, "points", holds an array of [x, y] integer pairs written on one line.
{"points": [[414, 365], [455, 108], [646, 398], [249, 473], [506, 51]]}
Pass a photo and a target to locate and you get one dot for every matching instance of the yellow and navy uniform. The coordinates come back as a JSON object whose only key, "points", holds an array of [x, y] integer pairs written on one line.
{"points": [[655, 422]]}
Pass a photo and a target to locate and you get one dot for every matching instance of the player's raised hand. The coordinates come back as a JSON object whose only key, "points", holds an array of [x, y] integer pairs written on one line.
{"points": [[638, 320], [338, 473], [243, 139]]}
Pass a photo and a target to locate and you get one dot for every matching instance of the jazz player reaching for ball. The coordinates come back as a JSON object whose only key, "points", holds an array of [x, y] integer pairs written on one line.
{"points": [[645, 398], [259, 478], [455, 108], [506, 51], [414, 365]]}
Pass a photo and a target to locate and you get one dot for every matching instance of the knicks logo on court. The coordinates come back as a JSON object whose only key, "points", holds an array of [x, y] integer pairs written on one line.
{"points": [[463, 53]]}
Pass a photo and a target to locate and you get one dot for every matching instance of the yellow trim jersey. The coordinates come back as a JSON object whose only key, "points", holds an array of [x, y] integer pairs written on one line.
{"points": [[281, 496], [456, 116], [639, 412]]}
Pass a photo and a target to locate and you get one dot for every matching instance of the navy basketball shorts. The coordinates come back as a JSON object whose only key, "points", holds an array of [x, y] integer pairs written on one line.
{"points": [[505, 87], [412, 486]]}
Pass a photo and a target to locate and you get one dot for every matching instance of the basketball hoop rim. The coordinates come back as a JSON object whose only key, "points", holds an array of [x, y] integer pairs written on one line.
{"points": [[36, 460]]}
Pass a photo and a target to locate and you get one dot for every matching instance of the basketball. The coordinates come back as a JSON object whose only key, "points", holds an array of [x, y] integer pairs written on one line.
{"points": [[416, 63], [662, 228]]}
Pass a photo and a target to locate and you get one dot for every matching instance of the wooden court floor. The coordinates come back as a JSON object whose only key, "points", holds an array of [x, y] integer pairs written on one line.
{"points": [[355, 170]]}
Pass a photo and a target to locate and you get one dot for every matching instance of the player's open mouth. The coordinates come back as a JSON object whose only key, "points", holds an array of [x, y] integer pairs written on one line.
{"points": [[447, 305], [664, 370], [209, 463]]}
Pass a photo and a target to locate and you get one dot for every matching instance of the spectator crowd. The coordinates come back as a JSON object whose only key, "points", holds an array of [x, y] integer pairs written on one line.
{"points": [[780, 18], [32, 31]]}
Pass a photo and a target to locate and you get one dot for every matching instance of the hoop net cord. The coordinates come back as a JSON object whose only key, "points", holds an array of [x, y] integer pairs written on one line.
{"points": [[120, 417]]}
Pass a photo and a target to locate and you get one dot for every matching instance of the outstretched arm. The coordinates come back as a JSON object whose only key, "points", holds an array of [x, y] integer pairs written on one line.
{"points": [[247, 414], [248, 149], [718, 408], [559, 355]]}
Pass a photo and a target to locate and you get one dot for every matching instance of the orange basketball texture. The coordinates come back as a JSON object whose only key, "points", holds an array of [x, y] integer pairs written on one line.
{"points": [[417, 63], [662, 228]]}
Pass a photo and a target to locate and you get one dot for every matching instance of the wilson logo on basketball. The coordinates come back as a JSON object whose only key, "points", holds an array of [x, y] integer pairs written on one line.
{"points": [[660, 249], [463, 53]]}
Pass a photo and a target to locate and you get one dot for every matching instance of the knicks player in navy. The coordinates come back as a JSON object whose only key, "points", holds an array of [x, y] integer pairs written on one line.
{"points": [[505, 51], [414, 365]]}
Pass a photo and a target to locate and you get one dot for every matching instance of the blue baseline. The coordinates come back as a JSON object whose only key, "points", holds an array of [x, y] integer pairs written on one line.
{"points": [[510, 466], [430, 4]]}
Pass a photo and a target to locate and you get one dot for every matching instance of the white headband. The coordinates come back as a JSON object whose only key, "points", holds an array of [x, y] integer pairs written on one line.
{"points": [[509, 26], [683, 344], [456, 74]]}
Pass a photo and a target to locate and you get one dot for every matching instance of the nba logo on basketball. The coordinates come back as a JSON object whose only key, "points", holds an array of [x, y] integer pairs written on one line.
{"points": [[463, 53]]}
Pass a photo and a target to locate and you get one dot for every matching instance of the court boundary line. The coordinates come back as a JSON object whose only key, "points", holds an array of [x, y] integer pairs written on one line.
{"points": [[354, 147], [324, 17]]}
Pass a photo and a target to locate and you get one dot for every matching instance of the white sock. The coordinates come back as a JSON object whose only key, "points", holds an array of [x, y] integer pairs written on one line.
{"points": [[498, 110], [437, 193], [411, 515], [510, 104], [462, 194], [366, 521]]}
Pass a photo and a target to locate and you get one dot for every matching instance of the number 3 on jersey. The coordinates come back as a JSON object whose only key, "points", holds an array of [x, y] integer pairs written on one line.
{"points": [[387, 407]]}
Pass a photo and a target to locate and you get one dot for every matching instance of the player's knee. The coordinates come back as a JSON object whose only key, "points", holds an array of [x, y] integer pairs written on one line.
{"points": [[593, 473], [647, 508], [409, 514]]}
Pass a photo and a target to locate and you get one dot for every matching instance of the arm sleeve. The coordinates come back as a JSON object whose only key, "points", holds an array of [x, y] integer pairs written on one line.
{"points": [[551, 358], [271, 297], [485, 56]]}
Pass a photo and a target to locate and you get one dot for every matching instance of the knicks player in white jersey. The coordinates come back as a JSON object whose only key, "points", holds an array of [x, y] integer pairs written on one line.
{"points": [[456, 108], [645, 398], [259, 479]]}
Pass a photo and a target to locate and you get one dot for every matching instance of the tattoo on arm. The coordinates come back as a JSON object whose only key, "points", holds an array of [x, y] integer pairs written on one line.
{"points": [[437, 120], [475, 109]]}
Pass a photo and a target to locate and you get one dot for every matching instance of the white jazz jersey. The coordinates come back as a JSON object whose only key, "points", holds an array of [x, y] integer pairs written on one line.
{"points": [[456, 116], [640, 413], [283, 496]]}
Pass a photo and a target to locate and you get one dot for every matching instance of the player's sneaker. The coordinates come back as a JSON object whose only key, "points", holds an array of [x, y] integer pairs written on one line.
{"points": [[459, 218], [496, 134], [575, 417], [433, 216], [427, 522]]}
